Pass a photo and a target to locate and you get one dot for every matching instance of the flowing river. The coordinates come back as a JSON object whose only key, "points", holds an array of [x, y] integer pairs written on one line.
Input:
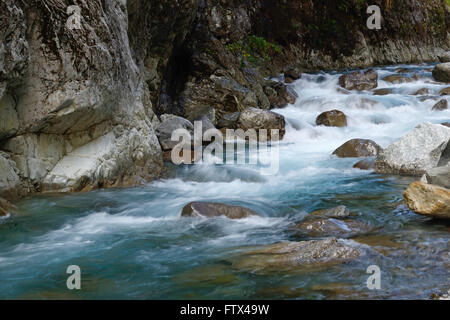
{"points": [[133, 244]]}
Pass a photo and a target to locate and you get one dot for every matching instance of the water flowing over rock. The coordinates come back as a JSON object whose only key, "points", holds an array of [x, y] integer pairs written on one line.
{"points": [[333, 118], [442, 72], [257, 119], [211, 210], [441, 105], [428, 200], [359, 80], [295, 256], [418, 151], [356, 148], [397, 79]]}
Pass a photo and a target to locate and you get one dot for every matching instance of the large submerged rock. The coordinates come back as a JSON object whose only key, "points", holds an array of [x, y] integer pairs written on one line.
{"points": [[295, 256], [211, 210], [421, 149], [428, 200]]}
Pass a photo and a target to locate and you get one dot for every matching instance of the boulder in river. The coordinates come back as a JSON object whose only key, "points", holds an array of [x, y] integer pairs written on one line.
{"points": [[211, 210], [366, 164], [170, 123], [333, 118], [442, 72], [357, 148], [257, 119], [279, 94], [331, 227], [292, 73], [420, 150], [439, 176], [429, 200], [295, 256], [337, 212], [441, 105], [359, 80]]}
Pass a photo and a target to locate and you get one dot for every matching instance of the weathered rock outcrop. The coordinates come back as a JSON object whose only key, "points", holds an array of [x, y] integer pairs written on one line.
{"points": [[422, 149], [211, 210], [428, 200], [356, 148]]}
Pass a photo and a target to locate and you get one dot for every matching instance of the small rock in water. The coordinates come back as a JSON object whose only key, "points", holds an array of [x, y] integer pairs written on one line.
{"points": [[211, 210], [442, 72], [397, 79], [333, 118], [359, 80], [367, 164], [429, 200], [331, 227], [294, 256], [356, 148], [383, 92], [422, 92], [441, 105], [338, 212]]}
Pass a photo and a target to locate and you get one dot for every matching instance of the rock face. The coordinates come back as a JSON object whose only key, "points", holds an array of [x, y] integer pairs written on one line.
{"points": [[439, 176], [442, 72], [359, 80], [421, 149], [211, 210], [428, 200], [69, 90], [356, 148], [441, 105], [295, 256], [257, 119], [333, 118]]}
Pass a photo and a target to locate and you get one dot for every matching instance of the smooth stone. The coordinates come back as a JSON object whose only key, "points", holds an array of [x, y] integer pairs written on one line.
{"points": [[333, 118], [397, 79], [442, 72], [331, 227], [357, 148], [211, 210], [440, 106], [439, 176], [170, 123], [445, 92], [383, 92], [258, 119], [422, 92], [429, 200]]}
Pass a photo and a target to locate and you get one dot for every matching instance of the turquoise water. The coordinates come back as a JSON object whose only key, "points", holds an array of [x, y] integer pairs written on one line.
{"points": [[133, 244]]}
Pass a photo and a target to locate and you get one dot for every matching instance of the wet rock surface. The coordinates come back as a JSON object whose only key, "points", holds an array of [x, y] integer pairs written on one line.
{"points": [[333, 118], [359, 80], [211, 210], [356, 148], [429, 200]]}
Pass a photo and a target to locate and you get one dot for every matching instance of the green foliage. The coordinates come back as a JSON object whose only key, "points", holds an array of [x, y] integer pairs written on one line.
{"points": [[254, 50]]}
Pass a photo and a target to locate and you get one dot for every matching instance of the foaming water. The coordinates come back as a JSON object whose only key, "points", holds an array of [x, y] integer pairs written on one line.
{"points": [[133, 244]]}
